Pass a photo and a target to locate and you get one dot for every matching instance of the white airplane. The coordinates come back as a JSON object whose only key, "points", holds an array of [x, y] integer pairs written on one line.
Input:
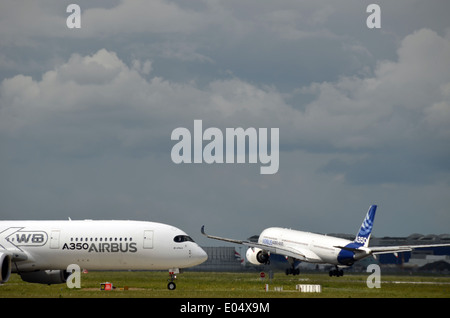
{"points": [[316, 248], [41, 251]]}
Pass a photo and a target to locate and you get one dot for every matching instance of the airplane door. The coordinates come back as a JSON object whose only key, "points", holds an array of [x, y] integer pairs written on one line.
{"points": [[148, 238], [54, 239]]}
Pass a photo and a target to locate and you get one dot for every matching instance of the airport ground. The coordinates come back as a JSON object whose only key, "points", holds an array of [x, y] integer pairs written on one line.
{"points": [[232, 285]]}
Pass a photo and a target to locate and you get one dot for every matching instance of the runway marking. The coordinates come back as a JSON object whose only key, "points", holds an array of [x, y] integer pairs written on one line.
{"points": [[424, 283]]}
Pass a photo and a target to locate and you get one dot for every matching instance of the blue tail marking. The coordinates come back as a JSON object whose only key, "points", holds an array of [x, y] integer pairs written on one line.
{"points": [[347, 256], [363, 236]]}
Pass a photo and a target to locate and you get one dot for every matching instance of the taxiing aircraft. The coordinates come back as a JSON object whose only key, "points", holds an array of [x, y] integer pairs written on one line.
{"points": [[41, 251], [316, 248]]}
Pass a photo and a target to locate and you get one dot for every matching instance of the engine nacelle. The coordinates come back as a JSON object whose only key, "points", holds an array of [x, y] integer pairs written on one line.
{"points": [[45, 277], [5, 267], [257, 256]]}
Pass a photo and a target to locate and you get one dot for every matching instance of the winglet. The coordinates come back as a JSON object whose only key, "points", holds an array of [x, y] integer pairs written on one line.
{"points": [[220, 238]]}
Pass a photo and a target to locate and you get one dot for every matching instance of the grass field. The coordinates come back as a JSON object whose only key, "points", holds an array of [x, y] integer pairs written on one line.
{"points": [[231, 285]]}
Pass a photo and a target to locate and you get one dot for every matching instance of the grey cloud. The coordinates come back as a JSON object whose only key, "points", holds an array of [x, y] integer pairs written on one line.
{"points": [[402, 109], [391, 113]]}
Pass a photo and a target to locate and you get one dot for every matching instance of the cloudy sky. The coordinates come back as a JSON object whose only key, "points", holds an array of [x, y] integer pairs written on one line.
{"points": [[86, 115]]}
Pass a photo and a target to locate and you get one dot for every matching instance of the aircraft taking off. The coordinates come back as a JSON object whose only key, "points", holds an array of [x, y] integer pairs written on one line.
{"points": [[41, 251], [316, 248]]}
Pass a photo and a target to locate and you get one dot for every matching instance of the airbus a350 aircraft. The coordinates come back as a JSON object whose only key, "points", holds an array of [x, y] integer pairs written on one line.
{"points": [[41, 251], [315, 248]]}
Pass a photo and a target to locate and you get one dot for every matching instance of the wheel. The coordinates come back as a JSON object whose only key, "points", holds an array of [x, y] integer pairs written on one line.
{"points": [[171, 286], [336, 272]]}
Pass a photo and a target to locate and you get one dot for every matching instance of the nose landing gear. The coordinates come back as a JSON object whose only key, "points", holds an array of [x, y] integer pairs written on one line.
{"points": [[172, 276]]}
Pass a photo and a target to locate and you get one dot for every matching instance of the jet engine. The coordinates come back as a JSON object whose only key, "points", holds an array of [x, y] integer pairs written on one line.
{"points": [[257, 256], [5, 267], [45, 277]]}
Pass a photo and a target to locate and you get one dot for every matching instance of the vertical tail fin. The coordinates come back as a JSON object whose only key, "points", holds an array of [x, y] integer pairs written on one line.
{"points": [[363, 236]]}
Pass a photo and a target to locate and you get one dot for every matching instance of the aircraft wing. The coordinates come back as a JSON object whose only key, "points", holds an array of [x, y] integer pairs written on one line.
{"points": [[387, 249], [222, 238], [300, 254], [398, 249]]}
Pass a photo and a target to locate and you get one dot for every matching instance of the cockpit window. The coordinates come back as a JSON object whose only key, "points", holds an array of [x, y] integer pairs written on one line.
{"points": [[182, 238]]}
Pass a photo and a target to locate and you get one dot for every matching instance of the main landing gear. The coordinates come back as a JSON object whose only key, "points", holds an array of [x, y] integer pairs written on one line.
{"points": [[336, 272], [292, 270]]}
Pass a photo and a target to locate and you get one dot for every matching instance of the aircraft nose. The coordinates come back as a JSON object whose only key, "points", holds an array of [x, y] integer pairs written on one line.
{"points": [[199, 255]]}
